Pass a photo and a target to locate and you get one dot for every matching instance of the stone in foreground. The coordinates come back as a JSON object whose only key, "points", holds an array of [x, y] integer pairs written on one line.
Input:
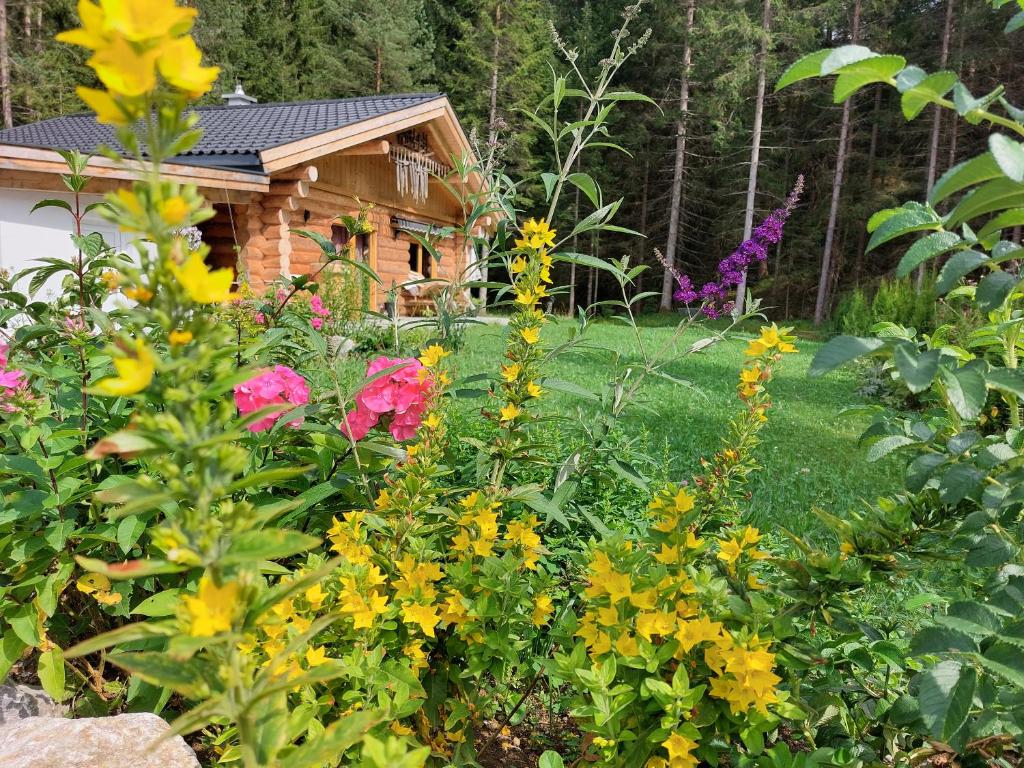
{"points": [[96, 742], [19, 701]]}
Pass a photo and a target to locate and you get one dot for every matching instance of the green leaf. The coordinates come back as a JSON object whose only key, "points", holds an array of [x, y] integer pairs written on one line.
{"points": [[128, 532], [628, 96], [1007, 380], [927, 91], [52, 203], [587, 186], [844, 56], [1009, 155], [1015, 23], [1005, 220], [996, 195], [11, 648], [927, 247], [877, 69], [887, 445], [994, 289], [958, 482], [268, 544], [161, 604], [25, 623], [803, 68], [963, 175], [912, 217], [965, 389], [51, 673], [945, 694], [550, 759], [959, 265], [187, 677], [131, 569], [936, 639], [841, 350], [1006, 660], [989, 550], [127, 634], [549, 179], [329, 745], [917, 370]]}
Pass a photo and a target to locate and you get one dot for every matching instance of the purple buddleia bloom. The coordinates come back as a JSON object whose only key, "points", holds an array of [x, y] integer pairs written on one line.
{"points": [[731, 269]]}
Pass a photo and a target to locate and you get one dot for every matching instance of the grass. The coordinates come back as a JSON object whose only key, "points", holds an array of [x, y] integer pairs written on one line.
{"points": [[810, 455]]}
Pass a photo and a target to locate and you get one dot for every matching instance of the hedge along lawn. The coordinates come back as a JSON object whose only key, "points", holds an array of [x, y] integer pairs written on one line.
{"points": [[809, 454]]}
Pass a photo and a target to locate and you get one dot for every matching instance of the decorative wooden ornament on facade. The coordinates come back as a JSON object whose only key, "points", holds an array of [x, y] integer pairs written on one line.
{"points": [[414, 163]]}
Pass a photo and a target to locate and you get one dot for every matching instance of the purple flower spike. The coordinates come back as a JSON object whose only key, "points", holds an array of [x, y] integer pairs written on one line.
{"points": [[732, 268]]}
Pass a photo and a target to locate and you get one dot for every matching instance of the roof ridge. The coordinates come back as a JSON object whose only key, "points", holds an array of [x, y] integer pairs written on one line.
{"points": [[301, 102]]}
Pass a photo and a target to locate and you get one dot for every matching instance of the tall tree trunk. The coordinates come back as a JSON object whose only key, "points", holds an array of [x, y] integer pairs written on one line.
{"points": [[933, 146], [755, 149], [378, 68], [39, 26], [668, 281], [492, 114], [954, 123], [862, 237], [643, 218], [820, 303], [5, 67], [27, 20]]}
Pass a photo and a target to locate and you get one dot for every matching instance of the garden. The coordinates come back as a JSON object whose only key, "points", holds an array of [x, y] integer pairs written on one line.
{"points": [[606, 539]]}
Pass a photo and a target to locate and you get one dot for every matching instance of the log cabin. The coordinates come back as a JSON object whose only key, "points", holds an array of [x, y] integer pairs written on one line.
{"points": [[268, 169]]}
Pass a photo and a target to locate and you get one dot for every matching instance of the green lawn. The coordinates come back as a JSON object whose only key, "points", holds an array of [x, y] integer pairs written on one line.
{"points": [[810, 454]]}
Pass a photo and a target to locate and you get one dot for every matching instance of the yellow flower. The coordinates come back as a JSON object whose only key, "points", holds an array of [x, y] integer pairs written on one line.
{"points": [[433, 354], [139, 293], [363, 611], [527, 297], [211, 610], [518, 265], [174, 210], [539, 233], [111, 279], [679, 748], [655, 623], [684, 501], [316, 656], [729, 551], [433, 421], [180, 64], [542, 610], [108, 598], [424, 615], [750, 375], [533, 390], [627, 646], [697, 631], [203, 285], [108, 109], [510, 412], [179, 338], [454, 611], [668, 555], [530, 335], [134, 372], [510, 372], [140, 20], [124, 69], [618, 586], [315, 596]]}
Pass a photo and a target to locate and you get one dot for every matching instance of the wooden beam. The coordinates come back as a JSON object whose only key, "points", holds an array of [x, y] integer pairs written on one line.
{"points": [[292, 188], [381, 147], [284, 202], [299, 173]]}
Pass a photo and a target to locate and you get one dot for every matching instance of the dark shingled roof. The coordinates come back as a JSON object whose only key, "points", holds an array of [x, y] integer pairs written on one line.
{"points": [[233, 137]]}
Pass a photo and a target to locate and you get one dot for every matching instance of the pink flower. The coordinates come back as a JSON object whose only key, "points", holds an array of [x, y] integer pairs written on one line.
{"points": [[12, 384], [280, 386], [403, 394], [259, 318], [316, 305], [4, 349], [317, 322]]}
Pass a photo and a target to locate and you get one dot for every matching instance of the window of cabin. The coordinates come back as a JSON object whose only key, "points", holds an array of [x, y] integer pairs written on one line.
{"points": [[360, 244], [419, 259]]}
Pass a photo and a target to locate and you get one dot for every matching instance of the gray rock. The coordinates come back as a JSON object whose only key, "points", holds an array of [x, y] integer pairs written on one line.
{"points": [[20, 701], [124, 741]]}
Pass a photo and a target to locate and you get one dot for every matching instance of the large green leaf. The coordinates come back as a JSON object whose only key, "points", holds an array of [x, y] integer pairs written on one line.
{"points": [[927, 247], [51, 673], [994, 289], [330, 745], [911, 217], [927, 91], [917, 370], [887, 445], [1006, 660], [937, 639], [963, 175], [187, 677], [945, 694], [876, 69], [965, 388], [992, 196], [1005, 220], [1007, 380], [268, 544], [841, 350], [844, 56], [958, 266], [803, 68], [1009, 155]]}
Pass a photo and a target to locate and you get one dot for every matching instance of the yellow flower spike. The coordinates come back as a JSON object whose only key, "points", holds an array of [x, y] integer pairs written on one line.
{"points": [[92, 34], [211, 610], [700, 630], [679, 748], [203, 285], [518, 265], [315, 596], [533, 390], [526, 297], [530, 335], [134, 373], [108, 110], [179, 338], [542, 610], [684, 501], [510, 372], [433, 421], [432, 355], [668, 555], [729, 551], [627, 646], [180, 64], [510, 412]]}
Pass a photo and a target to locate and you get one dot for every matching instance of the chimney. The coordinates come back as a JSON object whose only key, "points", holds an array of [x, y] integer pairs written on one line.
{"points": [[239, 98]]}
